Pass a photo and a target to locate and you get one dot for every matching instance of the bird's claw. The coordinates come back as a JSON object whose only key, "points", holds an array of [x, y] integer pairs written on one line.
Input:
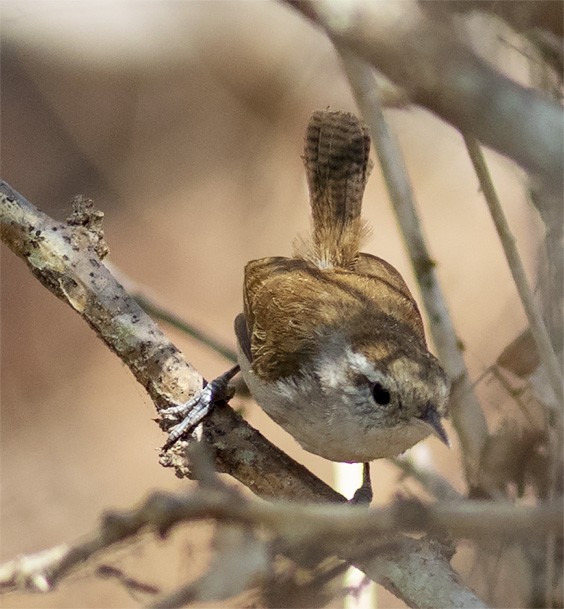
{"points": [[195, 409]]}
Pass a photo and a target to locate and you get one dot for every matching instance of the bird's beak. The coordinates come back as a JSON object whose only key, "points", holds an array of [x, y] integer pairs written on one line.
{"points": [[432, 419]]}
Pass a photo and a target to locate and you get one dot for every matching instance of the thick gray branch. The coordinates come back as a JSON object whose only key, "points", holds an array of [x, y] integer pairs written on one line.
{"points": [[65, 259]]}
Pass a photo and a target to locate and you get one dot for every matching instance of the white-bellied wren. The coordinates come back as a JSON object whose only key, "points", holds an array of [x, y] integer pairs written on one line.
{"points": [[331, 342]]}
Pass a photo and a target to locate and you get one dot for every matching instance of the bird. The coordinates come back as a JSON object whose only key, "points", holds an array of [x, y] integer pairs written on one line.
{"points": [[331, 343]]}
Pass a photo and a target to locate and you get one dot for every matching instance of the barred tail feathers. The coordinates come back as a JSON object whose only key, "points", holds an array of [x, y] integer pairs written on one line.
{"points": [[336, 160]]}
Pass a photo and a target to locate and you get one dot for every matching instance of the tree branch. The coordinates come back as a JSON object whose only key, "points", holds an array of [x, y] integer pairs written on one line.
{"points": [[444, 76], [65, 259], [322, 528], [521, 15], [537, 325]]}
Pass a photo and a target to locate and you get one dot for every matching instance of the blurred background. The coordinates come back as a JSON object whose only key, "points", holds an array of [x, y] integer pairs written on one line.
{"points": [[184, 122]]}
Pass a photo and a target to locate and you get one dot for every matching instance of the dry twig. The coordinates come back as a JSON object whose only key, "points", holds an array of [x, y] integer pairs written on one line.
{"points": [[538, 328]]}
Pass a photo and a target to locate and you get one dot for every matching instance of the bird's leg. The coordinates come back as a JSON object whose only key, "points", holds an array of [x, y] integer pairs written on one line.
{"points": [[195, 409], [363, 494]]}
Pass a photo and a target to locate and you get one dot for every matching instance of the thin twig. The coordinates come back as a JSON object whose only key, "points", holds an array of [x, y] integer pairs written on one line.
{"points": [[538, 328], [466, 412]]}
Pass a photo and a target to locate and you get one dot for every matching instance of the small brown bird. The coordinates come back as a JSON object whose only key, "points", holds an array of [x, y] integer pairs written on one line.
{"points": [[331, 342]]}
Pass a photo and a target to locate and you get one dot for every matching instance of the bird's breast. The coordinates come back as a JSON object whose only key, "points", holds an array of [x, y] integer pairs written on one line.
{"points": [[328, 428]]}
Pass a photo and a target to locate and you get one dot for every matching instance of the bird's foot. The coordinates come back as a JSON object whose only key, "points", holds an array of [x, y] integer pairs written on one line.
{"points": [[195, 409]]}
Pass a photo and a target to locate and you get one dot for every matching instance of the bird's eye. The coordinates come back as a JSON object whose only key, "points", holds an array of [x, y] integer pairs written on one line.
{"points": [[380, 394]]}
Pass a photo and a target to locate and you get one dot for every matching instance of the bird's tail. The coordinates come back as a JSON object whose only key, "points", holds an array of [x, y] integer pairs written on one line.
{"points": [[336, 160]]}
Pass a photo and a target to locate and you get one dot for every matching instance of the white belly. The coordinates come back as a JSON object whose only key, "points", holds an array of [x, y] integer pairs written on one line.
{"points": [[333, 431]]}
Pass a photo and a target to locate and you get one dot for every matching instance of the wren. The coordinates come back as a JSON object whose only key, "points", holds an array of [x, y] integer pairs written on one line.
{"points": [[331, 342]]}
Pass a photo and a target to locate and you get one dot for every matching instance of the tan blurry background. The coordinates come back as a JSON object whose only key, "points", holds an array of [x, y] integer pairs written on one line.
{"points": [[184, 122]]}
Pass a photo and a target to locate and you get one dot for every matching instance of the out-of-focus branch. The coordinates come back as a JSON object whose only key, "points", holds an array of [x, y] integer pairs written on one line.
{"points": [[465, 409], [442, 75], [65, 259], [522, 15], [540, 23], [537, 326], [433, 483], [323, 527]]}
